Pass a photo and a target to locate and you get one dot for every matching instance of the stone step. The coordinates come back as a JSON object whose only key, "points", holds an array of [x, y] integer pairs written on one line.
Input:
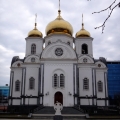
{"points": [[50, 110], [65, 116]]}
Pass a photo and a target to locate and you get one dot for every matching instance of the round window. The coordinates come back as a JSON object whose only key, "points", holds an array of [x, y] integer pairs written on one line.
{"points": [[32, 59], [59, 52], [85, 60]]}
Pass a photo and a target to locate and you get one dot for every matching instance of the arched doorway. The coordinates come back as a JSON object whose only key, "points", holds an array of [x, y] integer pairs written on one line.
{"points": [[58, 97]]}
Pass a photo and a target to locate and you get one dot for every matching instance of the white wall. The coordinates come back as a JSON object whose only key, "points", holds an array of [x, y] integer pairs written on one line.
{"points": [[85, 73], [17, 76], [33, 40], [16, 102], [80, 41], [31, 71], [100, 76], [49, 69]]}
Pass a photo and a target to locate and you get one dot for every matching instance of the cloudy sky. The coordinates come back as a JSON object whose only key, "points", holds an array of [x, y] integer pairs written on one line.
{"points": [[17, 18]]}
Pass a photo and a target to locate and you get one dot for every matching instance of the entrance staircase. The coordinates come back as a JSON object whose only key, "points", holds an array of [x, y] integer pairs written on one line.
{"points": [[49, 112]]}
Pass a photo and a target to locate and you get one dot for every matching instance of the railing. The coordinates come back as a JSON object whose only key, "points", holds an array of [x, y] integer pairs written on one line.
{"points": [[38, 108], [78, 108]]}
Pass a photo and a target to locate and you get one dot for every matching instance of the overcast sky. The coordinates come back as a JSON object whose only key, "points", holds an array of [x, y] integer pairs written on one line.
{"points": [[17, 18]]}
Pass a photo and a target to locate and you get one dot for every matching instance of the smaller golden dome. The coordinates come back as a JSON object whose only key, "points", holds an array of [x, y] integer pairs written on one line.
{"points": [[35, 32], [83, 32]]}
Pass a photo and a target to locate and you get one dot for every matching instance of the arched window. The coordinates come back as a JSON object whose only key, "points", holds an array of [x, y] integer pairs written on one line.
{"points": [[100, 86], [84, 49], [85, 83], [33, 49], [55, 80], [62, 80], [17, 85], [31, 83]]}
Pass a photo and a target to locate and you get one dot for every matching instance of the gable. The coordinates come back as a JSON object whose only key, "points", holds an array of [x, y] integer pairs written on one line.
{"points": [[58, 50], [85, 59]]}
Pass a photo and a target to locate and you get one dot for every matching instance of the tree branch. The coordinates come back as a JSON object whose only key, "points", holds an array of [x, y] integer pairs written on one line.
{"points": [[111, 10], [106, 8]]}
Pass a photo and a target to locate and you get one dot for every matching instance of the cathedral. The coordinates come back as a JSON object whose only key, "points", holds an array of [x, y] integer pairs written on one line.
{"points": [[58, 67]]}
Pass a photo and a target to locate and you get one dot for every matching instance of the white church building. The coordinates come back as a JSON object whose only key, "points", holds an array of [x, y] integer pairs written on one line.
{"points": [[55, 70]]}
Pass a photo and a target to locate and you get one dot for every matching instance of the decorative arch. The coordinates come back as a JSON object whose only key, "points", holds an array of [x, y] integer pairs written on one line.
{"points": [[58, 97], [85, 59], [100, 64], [28, 59], [84, 49], [17, 64]]}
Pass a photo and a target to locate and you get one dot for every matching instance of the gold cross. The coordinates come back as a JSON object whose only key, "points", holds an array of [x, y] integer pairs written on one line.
{"points": [[59, 4], [35, 17]]}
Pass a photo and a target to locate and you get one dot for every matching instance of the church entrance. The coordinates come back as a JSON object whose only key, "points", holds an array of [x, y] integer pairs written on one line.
{"points": [[58, 97]]}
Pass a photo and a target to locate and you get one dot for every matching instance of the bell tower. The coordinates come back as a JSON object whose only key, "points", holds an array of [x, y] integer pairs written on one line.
{"points": [[83, 42], [34, 41]]}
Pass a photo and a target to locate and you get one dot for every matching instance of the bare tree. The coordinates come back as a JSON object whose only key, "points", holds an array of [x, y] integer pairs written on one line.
{"points": [[111, 7]]}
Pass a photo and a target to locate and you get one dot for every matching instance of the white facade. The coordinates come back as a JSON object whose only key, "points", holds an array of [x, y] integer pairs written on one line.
{"points": [[58, 72]]}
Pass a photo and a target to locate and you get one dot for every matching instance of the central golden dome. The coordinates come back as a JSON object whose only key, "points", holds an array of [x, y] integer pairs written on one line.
{"points": [[59, 25]]}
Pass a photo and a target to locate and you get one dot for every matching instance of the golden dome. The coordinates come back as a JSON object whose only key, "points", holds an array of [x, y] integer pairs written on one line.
{"points": [[83, 32], [59, 25], [35, 32]]}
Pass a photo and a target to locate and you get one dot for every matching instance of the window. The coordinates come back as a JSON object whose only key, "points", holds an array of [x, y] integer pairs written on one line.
{"points": [[85, 60], [100, 86], [31, 83], [85, 84], [84, 49], [61, 80], [32, 59], [33, 49], [55, 80], [17, 85], [58, 81]]}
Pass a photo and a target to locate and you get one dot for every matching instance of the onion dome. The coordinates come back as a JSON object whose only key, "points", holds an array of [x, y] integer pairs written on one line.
{"points": [[82, 32], [59, 25], [35, 32]]}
